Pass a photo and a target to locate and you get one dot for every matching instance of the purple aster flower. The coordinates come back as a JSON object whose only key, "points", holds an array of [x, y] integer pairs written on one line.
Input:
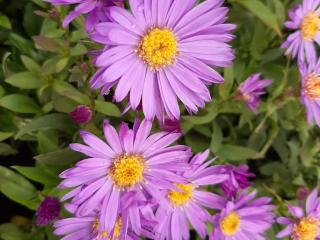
{"points": [[89, 227], [304, 19], [304, 224], [129, 161], [48, 211], [188, 201], [81, 114], [161, 52], [310, 90], [238, 179], [243, 218], [94, 9], [251, 89]]}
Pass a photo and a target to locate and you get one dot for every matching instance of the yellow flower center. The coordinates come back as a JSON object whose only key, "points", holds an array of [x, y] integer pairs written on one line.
{"points": [[310, 26], [104, 235], [117, 228], [230, 224], [312, 86], [127, 170], [158, 48], [306, 229], [179, 198]]}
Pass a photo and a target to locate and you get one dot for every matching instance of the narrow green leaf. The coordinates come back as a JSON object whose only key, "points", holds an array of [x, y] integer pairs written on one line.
{"points": [[4, 21], [37, 174], [55, 121], [107, 108], [67, 90], [235, 152], [260, 10], [17, 188], [30, 64], [25, 80], [19, 103]]}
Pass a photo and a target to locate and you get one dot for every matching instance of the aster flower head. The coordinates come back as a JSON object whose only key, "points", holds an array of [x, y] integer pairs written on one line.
{"points": [[94, 9], [89, 227], [189, 201], [304, 223], [304, 20], [251, 90], [48, 211], [238, 179], [162, 52], [81, 114], [310, 90], [131, 161], [243, 218]]}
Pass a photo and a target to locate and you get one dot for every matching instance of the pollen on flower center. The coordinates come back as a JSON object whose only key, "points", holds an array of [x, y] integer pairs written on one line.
{"points": [[179, 198], [306, 229], [310, 26], [127, 170], [312, 86], [230, 224], [158, 48], [103, 235]]}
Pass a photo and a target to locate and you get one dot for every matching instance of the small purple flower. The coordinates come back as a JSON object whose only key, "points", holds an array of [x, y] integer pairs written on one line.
{"points": [[310, 89], [238, 179], [188, 201], [161, 52], [302, 193], [169, 125], [243, 218], [304, 19], [81, 114], [251, 89], [304, 224], [94, 8], [131, 161], [48, 211]]}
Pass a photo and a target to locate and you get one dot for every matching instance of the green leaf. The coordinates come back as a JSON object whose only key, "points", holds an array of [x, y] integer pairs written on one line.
{"points": [[5, 135], [62, 157], [235, 152], [260, 10], [47, 44], [55, 121], [67, 90], [4, 21], [216, 139], [2, 91], [6, 149], [62, 64], [25, 80], [30, 64], [9, 231], [224, 89], [18, 189], [19, 103], [37, 174], [107, 108]]}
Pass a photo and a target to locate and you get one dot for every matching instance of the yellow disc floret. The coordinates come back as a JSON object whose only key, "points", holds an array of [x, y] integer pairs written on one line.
{"points": [[103, 235], [117, 228], [158, 48], [230, 224], [306, 229], [312, 86], [179, 198], [310, 26], [127, 170]]}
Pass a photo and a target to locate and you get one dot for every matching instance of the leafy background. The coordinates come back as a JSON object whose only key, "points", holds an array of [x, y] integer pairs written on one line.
{"points": [[44, 75]]}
